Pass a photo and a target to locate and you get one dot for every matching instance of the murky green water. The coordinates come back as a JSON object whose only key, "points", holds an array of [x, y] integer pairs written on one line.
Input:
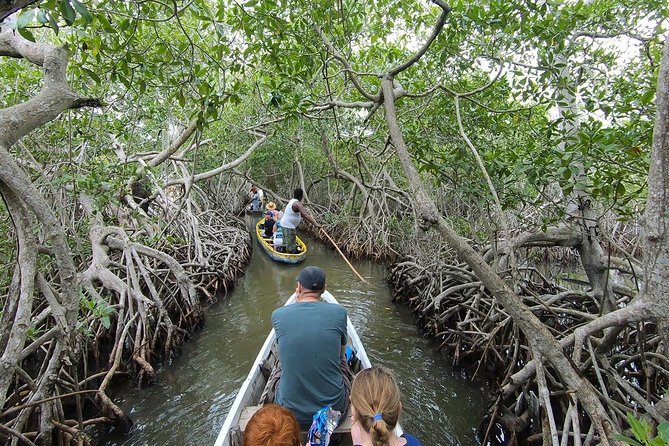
{"points": [[195, 392]]}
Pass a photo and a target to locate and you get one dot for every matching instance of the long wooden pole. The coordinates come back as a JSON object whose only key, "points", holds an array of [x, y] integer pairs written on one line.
{"points": [[343, 256]]}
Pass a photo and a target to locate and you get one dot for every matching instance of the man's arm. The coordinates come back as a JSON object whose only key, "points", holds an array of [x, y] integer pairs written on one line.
{"points": [[299, 207], [344, 335]]}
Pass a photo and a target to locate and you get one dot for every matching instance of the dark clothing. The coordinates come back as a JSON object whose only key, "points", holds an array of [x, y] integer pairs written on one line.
{"points": [[269, 225], [290, 240], [310, 336]]}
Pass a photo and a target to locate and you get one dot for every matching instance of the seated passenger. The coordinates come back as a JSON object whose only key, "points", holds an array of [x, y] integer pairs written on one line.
{"points": [[276, 215], [311, 337], [277, 239], [375, 410], [268, 231], [272, 425]]}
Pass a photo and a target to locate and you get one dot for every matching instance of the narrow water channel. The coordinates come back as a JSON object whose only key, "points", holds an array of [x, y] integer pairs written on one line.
{"points": [[194, 393]]}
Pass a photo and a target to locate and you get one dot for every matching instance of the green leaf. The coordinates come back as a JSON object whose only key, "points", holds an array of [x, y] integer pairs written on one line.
{"points": [[663, 431], [92, 75], [53, 22], [106, 322], [25, 18], [82, 10], [627, 440], [620, 190], [640, 428], [68, 12], [124, 80], [220, 29], [648, 96], [41, 17], [27, 34], [657, 441]]}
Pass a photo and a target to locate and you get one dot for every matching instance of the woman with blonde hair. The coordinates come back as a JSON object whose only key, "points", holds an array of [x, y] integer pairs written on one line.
{"points": [[272, 425], [375, 410]]}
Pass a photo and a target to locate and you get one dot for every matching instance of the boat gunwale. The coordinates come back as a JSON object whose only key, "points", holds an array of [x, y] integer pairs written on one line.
{"points": [[282, 257]]}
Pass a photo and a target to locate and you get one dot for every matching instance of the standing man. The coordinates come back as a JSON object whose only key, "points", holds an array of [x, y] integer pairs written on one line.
{"points": [[311, 336], [255, 199], [292, 217]]}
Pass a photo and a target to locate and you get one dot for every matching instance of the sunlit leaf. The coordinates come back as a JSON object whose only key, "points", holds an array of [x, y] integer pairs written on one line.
{"points": [[25, 18]]}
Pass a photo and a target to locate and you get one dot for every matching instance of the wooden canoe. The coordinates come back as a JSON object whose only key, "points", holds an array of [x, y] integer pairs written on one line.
{"points": [[281, 257], [249, 394]]}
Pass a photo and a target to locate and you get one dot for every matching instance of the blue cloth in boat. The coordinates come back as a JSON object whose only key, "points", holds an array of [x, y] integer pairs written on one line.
{"points": [[310, 336], [411, 440]]}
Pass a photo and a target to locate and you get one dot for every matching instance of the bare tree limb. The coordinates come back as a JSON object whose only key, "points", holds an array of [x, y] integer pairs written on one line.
{"points": [[445, 9], [55, 97], [176, 144], [227, 166], [9, 7]]}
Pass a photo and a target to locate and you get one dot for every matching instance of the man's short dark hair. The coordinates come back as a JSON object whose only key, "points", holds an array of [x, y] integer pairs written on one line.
{"points": [[298, 194], [312, 278]]}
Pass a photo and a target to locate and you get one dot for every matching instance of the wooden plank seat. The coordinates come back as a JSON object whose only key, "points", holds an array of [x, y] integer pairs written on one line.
{"points": [[247, 413]]}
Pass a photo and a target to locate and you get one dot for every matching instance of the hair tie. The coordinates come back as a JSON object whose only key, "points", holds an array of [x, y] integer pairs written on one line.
{"points": [[378, 417]]}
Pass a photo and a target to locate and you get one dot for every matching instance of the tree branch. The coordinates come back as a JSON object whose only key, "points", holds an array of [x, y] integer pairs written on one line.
{"points": [[55, 97], [220, 169], [340, 57], [176, 144], [9, 7], [445, 9]]}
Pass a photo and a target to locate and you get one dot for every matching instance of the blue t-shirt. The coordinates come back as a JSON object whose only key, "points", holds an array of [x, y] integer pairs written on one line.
{"points": [[310, 336], [411, 440]]}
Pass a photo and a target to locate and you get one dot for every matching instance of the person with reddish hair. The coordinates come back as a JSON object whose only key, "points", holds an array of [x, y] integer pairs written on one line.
{"points": [[272, 425]]}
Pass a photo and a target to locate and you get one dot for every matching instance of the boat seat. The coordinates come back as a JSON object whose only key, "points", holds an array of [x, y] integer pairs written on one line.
{"points": [[247, 413]]}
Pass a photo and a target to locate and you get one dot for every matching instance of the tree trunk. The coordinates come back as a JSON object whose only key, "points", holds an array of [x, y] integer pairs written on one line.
{"points": [[537, 333], [656, 224]]}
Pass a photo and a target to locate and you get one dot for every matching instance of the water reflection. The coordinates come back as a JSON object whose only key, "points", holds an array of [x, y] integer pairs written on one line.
{"points": [[195, 393]]}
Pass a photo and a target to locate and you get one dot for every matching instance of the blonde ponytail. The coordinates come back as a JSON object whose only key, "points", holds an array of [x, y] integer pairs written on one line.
{"points": [[380, 433], [376, 398]]}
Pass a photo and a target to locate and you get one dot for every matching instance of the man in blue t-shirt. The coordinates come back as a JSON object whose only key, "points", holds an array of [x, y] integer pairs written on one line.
{"points": [[311, 337]]}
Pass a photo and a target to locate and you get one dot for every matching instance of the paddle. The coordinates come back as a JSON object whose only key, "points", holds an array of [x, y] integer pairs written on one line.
{"points": [[342, 255]]}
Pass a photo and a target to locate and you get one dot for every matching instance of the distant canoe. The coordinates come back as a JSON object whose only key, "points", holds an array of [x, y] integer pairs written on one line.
{"points": [[281, 257], [257, 213]]}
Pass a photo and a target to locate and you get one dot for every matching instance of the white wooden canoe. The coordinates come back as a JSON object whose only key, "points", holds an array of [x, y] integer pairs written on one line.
{"points": [[252, 388]]}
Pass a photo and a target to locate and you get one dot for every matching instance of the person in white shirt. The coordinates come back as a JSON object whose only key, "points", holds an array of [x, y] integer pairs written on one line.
{"points": [[292, 217]]}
